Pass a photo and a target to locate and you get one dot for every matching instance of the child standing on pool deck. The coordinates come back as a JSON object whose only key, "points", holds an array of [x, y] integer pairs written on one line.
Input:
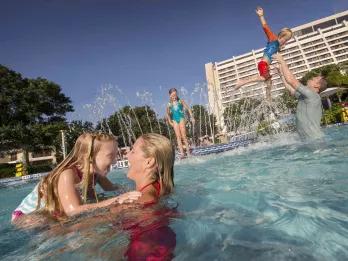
{"points": [[176, 118], [65, 191], [273, 46]]}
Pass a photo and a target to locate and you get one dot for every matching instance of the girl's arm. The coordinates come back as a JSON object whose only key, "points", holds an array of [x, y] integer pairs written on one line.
{"points": [[188, 109], [168, 116], [259, 12], [270, 35], [71, 200]]}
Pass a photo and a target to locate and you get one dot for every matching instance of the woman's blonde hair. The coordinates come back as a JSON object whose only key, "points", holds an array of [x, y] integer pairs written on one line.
{"points": [[285, 32], [160, 148], [82, 155]]}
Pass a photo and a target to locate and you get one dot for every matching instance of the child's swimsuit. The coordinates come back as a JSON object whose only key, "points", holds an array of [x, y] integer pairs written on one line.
{"points": [[177, 111], [272, 47]]}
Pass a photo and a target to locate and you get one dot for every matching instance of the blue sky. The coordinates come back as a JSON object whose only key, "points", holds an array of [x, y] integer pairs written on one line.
{"points": [[137, 45]]}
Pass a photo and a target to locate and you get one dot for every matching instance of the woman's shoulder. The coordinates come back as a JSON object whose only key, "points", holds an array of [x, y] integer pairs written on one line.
{"points": [[148, 198]]}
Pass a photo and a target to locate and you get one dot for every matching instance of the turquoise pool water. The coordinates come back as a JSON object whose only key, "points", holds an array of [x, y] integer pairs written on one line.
{"points": [[278, 199]]}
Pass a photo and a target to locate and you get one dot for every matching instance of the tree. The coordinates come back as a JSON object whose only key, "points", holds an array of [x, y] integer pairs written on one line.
{"points": [[289, 101], [129, 123], [334, 76], [331, 72], [75, 129], [240, 115], [32, 111], [205, 123]]}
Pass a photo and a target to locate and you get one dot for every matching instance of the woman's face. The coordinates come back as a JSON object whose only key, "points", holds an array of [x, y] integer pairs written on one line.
{"points": [[136, 160], [105, 157], [173, 96]]}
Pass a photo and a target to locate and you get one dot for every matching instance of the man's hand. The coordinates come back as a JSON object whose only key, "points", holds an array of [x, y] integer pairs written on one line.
{"points": [[259, 11], [288, 75]]}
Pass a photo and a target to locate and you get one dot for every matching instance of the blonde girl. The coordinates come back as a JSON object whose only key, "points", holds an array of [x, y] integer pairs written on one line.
{"points": [[66, 191], [176, 118]]}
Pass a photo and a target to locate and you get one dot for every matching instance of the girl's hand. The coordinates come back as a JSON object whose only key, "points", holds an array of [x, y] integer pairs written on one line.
{"points": [[193, 120], [259, 11], [124, 198], [128, 197]]}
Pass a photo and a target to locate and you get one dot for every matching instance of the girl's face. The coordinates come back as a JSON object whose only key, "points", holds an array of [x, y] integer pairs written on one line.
{"points": [[105, 157], [173, 96], [136, 160]]}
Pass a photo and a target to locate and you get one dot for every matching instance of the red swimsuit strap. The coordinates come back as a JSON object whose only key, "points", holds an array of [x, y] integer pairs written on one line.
{"points": [[78, 172], [156, 185]]}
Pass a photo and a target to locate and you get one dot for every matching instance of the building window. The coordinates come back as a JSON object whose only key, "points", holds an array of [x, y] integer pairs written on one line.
{"points": [[304, 31], [336, 35], [311, 43], [342, 18], [325, 24]]}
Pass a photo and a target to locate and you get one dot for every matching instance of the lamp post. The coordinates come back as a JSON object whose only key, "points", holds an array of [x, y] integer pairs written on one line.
{"points": [[63, 143]]}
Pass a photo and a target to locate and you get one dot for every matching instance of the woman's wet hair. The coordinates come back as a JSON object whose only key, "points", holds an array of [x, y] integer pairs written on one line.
{"points": [[161, 149]]}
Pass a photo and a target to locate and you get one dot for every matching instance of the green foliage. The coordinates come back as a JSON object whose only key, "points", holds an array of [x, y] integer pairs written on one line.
{"points": [[205, 123], [75, 129], [331, 72], [32, 111], [129, 123], [332, 115], [289, 101], [233, 113], [39, 168], [7, 170], [264, 128]]}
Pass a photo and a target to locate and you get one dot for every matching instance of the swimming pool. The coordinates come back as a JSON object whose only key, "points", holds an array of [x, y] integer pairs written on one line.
{"points": [[274, 200]]}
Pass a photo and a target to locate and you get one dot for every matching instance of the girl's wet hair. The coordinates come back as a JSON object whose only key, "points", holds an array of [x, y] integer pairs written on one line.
{"points": [[171, 90]]}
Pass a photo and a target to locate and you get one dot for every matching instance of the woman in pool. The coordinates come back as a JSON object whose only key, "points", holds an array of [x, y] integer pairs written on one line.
{"points": [[66, 190], [151, 162], [176, 118]]}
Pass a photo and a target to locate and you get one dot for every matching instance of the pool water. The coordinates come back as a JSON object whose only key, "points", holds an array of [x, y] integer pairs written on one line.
{"points": [[278, 199]]}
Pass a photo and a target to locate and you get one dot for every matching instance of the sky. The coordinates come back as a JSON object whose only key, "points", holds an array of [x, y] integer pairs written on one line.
{"points": [[141, 47]]}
